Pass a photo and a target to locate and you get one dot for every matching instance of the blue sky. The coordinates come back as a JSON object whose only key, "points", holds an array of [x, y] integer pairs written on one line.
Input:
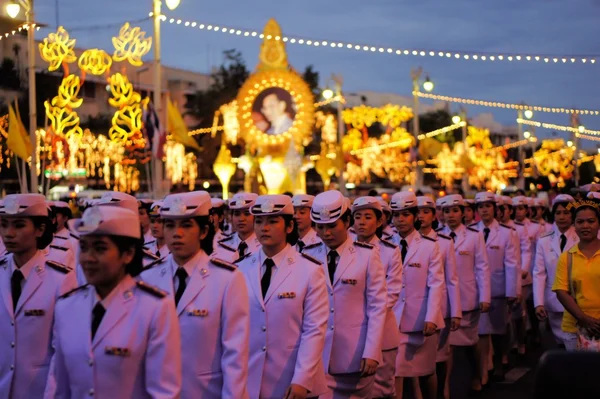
{"points": [[524, 26]]}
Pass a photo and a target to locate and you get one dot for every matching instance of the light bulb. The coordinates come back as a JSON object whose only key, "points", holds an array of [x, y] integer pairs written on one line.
{"points": [[528, 114], [428, 85], [526, 135], [456, 119], [569, 143], [327, 94], [172, 4], [581, 128], [13, 9]]}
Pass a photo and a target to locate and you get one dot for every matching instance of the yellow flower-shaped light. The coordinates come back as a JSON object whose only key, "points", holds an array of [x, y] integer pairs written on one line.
{"points": [[57, 49], [125, 123], [68, 92], [65, 122], [122, 91], [131, 45], [95, 61]]}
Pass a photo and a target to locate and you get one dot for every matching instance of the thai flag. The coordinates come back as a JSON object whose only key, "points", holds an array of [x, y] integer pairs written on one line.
{"points": [[153, 131]]}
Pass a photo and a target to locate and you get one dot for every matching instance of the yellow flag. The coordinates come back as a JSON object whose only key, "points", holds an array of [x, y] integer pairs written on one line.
{"points": [[18, 139], [176, 127]]}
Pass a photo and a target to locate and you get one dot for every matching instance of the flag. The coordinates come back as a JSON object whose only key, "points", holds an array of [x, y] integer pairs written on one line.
{"points": [[153, 131], [177, 128], [18, 139]]}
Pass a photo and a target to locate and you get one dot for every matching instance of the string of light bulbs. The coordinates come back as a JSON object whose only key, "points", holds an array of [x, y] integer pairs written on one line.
{"points": [[441, 130], [21, 28], [482, 56], [497, 104], [586, 137], [562, 128]]}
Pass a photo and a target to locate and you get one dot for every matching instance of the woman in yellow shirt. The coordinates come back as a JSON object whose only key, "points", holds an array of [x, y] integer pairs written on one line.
{"points": [[580, 295]]}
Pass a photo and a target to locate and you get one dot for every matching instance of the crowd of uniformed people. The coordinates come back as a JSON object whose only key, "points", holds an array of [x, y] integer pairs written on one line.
{"points": [[276, 296]]}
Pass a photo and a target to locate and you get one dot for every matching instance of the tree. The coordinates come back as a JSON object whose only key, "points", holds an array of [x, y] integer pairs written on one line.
{"points": [[9, 76], [311, 77]]}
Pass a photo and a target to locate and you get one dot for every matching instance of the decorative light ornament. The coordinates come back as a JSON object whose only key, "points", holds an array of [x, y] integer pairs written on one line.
{"points": [[328, 94], [131, 45], [172, 4], [581, 129], [528, 114], [456, 119], [428, 84], [58, 49], [224, 168], [274, 173], [526, 135], [13, 9], [95, 61]]}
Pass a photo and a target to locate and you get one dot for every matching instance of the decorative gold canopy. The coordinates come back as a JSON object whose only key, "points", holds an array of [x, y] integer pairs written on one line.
{"points": [[272, 50]]}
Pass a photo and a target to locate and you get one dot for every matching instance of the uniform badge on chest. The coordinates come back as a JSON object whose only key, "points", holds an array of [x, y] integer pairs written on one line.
{"points": [[197, 312], [35, 312], [287, 295], [349, 281], [464, 253], [494, 247], [417, 265], [114, 351]]}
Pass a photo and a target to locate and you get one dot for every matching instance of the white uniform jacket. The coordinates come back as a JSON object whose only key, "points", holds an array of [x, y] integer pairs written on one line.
{"points": [[422, 291], [544, 269], [472, 267], [26, 332], [503, 258], [309, 239], [214, 322], [62, 238], [524, 249], [358, 306], [287, 327], [227, 249], [451, 307], [134, 354]]}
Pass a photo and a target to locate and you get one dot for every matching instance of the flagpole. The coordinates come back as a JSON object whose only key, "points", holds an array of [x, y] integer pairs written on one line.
{"points": [[18, 172], [157, 169]]}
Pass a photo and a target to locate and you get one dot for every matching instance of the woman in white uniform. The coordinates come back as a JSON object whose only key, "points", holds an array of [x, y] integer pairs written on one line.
{"points": [[115, 337]]}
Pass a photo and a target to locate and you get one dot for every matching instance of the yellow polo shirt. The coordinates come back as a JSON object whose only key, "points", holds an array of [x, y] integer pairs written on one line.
{"points": [[585, 274]]}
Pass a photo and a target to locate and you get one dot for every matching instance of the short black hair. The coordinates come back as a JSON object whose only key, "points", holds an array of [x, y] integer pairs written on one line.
{"points": [[62, 211], [136, 266], [207, 243], [48, 235]]}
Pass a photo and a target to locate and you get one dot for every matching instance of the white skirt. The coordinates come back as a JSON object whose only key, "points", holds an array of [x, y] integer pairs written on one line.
{"points": [[496, 320], [416, 354], [443, 351], [468, 333]]}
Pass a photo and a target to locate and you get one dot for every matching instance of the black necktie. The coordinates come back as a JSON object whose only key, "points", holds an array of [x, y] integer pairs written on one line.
{"points": [[15, 286], [97, 315], [404, 246], [332, 264], [301, 245], [563, 242], [242, 249], [158, 253], [181, 275], [265, 281], [453, 236], [486, 233]]}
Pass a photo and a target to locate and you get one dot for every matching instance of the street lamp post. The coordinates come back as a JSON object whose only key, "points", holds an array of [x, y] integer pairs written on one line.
{"points": [[520, 178], [415, 75], [340, 109], [13, 8], [465, 177]]}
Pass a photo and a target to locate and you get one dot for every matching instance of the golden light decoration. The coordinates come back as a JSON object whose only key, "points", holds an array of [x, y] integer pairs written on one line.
{"points": [[554, 158], [224, 168], [68, 93], [480, 138], [61, 109], [274, 74], [131, 45], [58, 49], [274, 173], [180, 167], [328, 125], [122, 91], [230, 122], [388, 115], [127, 120], [562, 128], [95, 61]]}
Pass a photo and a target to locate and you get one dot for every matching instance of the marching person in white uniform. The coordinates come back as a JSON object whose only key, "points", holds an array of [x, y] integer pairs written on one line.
{"points": [[419, 309], [541, 208], [474, 281], [549, 247], [217, 213], [355, 279], [243, 242], [368, 223], [158, 248], [288, 308], [210, 298], [144, 208], [451, 310], [306, 234], [469, 213], [388, 231], [116, 337], [62, 213]]}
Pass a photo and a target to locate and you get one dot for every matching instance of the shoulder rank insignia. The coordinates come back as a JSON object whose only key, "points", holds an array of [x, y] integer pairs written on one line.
{"points": [[363, 245], [227, 238], [310, 258], [150, 289], [472, 229], [74, 236], [311, 246], [152, 264], [68, 293], [548, 234], [350, 281], [227, 247], [150, 255], [3, 261], [223, 264], [519, 224], [238, 260], [506, 226], [59, 247], [58, 266], [61, 238], [389, 244], [428, 238], [286, 295], [439, 229], [445, 237], [534, 221]]}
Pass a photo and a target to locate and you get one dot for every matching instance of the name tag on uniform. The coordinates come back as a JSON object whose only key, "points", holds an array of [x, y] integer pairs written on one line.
{"points": [[350, 281], [114, 351], [464, 253], [198, 312], [414, 265], [287, 295], [494, 247], [35, 312]]}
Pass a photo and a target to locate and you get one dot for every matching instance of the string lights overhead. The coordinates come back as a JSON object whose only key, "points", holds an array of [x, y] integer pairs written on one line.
{"points": [[562, 128], [481, 56], [21, 28], [442, 130]]}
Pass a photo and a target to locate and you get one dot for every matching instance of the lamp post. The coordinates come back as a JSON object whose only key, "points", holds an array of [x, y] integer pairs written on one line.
{"points": [[328, 94], [13, 8], [428, 85], [457, 119]]}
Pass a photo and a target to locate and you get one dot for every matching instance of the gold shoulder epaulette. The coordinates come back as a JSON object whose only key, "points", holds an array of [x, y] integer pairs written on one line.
{"points": [[150, 254], [59, 266], [389, 244], [67, 294], [363, 245], [311, 246], [227, 247], [150, 289], [310, 258], [59, 247], [445, 237], [223, 264], [428, 238], [238, 260], [506, 226], [152, 264]]}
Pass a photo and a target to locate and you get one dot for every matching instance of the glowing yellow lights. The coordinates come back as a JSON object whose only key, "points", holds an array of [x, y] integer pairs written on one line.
{"points": [[328, 94], [206, 185], [122, 91], [569, 143], [443, 130], [496, 104], [224, 169], [334, 44], [392, 115], [580, 129], [428, 84], [61, 110], [131, 45], [528, 114], [526, 135], [127, 120], [172, 4], [456, 119], [13, 9], [57, 49], [95, 61]]}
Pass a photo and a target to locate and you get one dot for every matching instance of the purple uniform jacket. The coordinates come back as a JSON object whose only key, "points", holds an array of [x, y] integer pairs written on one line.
{"points": [[214, 322], [422, 291], [358, 306], [287, 327], [544, 269], [134, 354], [27, 332], [503, 258], [227, 249], [451, 307], [472, 267]]}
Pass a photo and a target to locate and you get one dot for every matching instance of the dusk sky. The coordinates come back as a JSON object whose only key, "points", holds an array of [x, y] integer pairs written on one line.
{"points": [[516, 26]]}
